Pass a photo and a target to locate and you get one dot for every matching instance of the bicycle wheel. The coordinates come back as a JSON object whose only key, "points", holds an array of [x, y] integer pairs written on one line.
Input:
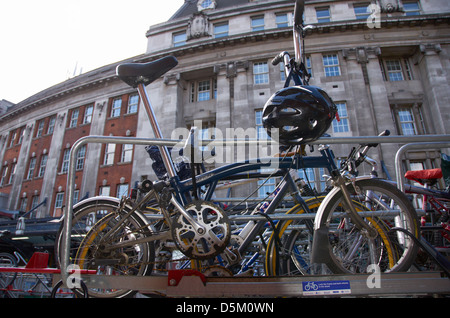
{"points": [[88, 250], [7, 278], [289, 255], [351, 249]]}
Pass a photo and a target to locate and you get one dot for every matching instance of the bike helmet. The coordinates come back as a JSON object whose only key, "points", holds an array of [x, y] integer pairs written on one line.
{"points": [[300, 113]]}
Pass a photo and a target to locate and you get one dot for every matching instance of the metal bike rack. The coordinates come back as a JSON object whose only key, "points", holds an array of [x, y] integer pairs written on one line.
{"points": [[411, 146], [401, 283]]}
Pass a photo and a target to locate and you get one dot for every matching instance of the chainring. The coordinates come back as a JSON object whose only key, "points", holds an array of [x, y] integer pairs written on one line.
{"points": [[206, 244]]}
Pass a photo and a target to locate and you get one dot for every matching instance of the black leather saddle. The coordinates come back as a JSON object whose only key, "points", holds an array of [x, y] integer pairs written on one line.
{"points": [[145, 73]]}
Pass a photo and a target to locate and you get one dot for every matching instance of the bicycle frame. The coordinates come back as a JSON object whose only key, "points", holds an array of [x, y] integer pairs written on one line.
{"points": [[241, 170]]}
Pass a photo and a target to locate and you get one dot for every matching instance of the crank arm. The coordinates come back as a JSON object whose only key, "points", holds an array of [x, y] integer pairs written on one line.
{"points": [[162, 236], [197, 227]]}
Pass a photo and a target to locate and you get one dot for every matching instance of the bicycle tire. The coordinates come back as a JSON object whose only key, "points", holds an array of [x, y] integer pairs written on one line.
{"points": [[352, 250], [88, 216], [286, 261], [6, 278]]}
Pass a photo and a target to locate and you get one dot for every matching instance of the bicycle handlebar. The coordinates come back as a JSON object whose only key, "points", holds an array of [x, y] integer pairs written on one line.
{"points": [[277, 59], [358, 156], [298, 12]]}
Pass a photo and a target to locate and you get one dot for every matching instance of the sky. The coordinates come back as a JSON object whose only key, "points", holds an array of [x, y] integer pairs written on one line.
{"points": [[44, 42]]}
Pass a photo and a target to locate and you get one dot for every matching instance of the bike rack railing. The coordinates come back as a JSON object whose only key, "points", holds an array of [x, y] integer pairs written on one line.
{"points": [[430, 141], [412, 146]]}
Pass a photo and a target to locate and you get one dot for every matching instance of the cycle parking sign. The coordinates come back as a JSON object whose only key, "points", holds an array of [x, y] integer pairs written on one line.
{"points": [[314, 288]]}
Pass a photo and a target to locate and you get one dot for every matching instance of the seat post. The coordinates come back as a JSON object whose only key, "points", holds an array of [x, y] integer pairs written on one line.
{"points": [[168, 163]]}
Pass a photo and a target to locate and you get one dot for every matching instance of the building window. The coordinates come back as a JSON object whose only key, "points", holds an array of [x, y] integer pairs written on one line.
{"points": [[260, 73], [59, 201], [21, 135], [88, 114], [74, 118], [267, 186], [203, 90], [309, 65], [133, 103], [110, 150], [65, 161], [51, 125], [31, 168], [260, 130], [13, 138], [221, 30], [115, 108], [13, 173], [179, 39], [258, 23], [411, 8], [34, 202], [44, 159], [76, 196], [361, 11], [81, 155], [395, 70], [40, 129], [331, 65], [4, 174], [23, 204], [104, 191], [282, 20], [122, 190], [127, 153], [341, 125], [323, 15], [408, 119]]}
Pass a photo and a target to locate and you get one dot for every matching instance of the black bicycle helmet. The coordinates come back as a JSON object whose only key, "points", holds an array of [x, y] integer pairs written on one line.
{"points": [[300, 113]]}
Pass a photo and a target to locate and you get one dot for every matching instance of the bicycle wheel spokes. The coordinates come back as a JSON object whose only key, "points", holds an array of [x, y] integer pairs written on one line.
{"points": [[92, 243], [382, 207], [291, 254]]}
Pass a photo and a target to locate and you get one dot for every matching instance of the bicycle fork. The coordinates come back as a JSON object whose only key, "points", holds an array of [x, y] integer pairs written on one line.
{"points": [[320, 253], [339, 181]]}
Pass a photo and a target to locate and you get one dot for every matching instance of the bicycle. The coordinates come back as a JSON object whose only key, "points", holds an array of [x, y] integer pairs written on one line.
{"points": [[131, 237], [435, 224]]}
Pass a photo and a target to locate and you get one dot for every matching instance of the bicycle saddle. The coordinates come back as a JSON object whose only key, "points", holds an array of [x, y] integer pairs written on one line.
{"points": [[145, 73], [428, 176]]}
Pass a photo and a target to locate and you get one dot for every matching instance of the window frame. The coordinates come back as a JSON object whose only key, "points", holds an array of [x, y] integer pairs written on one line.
{"points": [[261, 76], [81, 156], [116, 109], [42, 165], [411, 12], [343, 126], [31, 168], [405, 69], [133, 105], [221, 33], [75, 113], [179, 38], [363, 15], [88, 114], [255, 23], [194, 94], [126, 155], [330, 69], [323, 19]]}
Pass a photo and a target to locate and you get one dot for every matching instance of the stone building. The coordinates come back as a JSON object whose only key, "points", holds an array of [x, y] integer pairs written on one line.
{"points": [[386, 67]]}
